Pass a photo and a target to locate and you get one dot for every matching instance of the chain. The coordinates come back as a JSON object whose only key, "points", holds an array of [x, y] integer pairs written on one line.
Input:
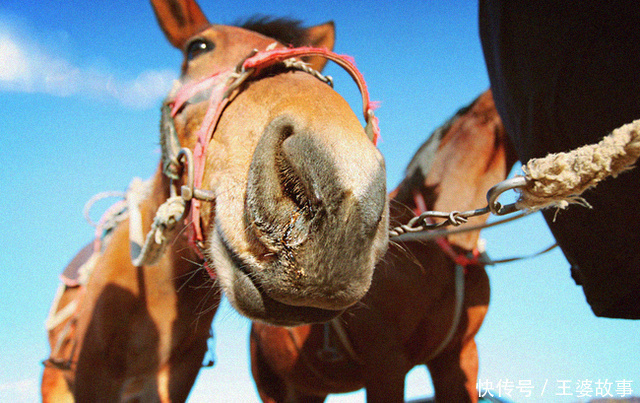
{"points": [[300, 65], [423, 223]]}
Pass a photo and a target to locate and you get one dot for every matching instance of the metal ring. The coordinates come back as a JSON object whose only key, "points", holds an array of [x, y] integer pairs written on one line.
{"points": [[186, 191], [494, 193]]}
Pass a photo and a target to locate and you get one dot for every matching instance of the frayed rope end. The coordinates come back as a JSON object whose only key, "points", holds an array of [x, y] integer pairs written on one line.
{"points": [[558, 180]]}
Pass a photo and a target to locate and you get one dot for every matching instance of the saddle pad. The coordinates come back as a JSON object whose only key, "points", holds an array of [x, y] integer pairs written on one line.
{"points": [[72, 273]]}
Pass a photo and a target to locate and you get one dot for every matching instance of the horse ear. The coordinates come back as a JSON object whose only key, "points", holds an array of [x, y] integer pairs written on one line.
{"points": [[179, 19], [320, 36]]}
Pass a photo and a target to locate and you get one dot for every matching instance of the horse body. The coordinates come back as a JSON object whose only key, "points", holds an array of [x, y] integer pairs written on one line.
{"points": [[135, 333], [139, 333], [405, 317], [287, 158]]}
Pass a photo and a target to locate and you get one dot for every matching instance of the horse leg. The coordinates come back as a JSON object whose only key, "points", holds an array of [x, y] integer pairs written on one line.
{"points": [[385, 386], [449, 379], [384, 373], [271, 385], [299, 397], [171, 383], [382, 355], [273, 389], [469, 365], [177, 378], [454, 372], [55, 388], [477, 296]]}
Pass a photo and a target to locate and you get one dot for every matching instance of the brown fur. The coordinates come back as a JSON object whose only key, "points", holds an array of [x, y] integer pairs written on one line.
{"points": [[140, 332], [409, 308]]}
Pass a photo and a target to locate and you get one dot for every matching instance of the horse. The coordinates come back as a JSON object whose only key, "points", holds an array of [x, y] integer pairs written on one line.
{"points": [[428, 298], [264, 166]]}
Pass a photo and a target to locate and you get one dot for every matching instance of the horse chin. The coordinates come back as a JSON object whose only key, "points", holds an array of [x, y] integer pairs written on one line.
{"points": [[250, 299]]}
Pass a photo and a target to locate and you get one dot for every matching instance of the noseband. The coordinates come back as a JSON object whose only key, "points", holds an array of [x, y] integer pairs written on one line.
{"points": [[223, 86]]}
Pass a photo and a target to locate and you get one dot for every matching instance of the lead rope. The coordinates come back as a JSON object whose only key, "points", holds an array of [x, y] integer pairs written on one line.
{"points": [[147, 250], [559, 179]]}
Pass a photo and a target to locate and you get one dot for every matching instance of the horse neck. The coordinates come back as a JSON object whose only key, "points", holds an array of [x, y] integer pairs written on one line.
{"points": [[473, 155]]}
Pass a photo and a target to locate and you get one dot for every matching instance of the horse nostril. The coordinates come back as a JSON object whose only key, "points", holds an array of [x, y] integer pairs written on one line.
{"points": [[288, 166], [298, 176], [308, 176], [277, 194]]}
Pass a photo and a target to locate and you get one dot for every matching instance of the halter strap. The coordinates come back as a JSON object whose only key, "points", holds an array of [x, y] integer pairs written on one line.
{"points": [[224, 85]]}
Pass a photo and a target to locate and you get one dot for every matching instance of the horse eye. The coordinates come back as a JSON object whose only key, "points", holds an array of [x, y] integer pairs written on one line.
{"points": [[198, 47]]}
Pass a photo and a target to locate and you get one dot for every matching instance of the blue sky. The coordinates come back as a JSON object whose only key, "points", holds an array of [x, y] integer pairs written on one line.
{"points": [[80, 88]]}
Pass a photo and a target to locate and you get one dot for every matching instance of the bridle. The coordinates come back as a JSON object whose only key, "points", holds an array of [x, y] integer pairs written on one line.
{"points": [[221, 88]]}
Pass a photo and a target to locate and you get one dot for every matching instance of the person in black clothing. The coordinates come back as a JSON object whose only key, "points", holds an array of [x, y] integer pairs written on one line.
{"points": [[565, 74]]}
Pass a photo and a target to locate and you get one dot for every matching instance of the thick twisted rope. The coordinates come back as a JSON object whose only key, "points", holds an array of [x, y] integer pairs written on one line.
{"points": [[147, 250], [559, 179], [164, 222]]}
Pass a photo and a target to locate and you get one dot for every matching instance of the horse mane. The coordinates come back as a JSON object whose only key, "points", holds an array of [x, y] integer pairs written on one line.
{"points": [[287, 31]]}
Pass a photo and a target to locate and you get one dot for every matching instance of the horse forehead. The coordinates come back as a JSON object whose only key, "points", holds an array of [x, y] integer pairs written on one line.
{"points": [[230, 37]]}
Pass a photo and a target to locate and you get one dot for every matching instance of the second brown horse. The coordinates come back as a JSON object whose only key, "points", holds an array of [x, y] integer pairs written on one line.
{"points": [[408, 317]]}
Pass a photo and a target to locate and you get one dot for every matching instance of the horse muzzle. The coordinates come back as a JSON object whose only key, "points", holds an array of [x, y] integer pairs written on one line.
{"points": [[316, 206]]}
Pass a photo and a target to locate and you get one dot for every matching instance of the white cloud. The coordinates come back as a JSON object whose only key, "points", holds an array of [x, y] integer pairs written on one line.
{"points": [[13, 61], [26, 66], [27, 390]]}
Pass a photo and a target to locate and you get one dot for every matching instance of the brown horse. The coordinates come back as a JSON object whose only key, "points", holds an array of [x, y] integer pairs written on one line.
{"points": [[283, 171], [408, 317]]}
